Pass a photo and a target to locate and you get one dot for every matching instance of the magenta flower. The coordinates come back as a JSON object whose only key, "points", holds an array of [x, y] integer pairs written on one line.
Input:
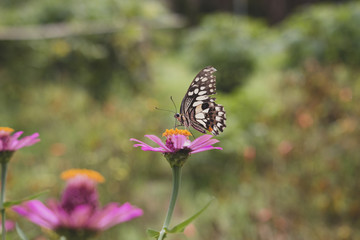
{"points": [[10, 143], [177, 147], [9, 225], [78, 215]]}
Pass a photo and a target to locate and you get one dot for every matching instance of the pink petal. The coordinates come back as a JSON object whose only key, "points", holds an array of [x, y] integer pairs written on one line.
{"points": [[37, 207], [120, 218], [64, 217], [38, 213], [146, 147], [200, 140], [209, 142], [179, 141], [159, 149], [80, 216], [16, 135], [14, 140], [27, 141], [102, 217], [205, 149], [114, 214], [158, 141], [140, 143], [20, 210], [9, 225]]}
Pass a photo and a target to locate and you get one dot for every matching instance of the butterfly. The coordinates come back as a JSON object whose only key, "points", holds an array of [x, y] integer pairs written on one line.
{"points": [[198, 109]]}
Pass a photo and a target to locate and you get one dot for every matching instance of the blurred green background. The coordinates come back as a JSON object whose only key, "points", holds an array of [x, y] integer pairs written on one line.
{"points": [[87, 76]]}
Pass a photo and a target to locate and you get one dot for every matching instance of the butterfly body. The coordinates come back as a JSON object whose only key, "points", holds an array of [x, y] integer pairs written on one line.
{"points": [[198, 109]]}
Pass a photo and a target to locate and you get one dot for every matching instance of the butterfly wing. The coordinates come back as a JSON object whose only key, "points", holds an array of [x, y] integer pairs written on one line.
{"points": [[199, 109], [203, 85]]}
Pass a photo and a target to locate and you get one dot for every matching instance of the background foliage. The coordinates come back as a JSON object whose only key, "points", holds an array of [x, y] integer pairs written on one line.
{"points": [[288, 169], [228, 42]]}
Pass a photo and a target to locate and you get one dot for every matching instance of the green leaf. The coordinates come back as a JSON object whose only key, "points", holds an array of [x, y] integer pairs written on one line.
{"points": [[180, 227], [20, 232], [153, 233], [17, 202]]}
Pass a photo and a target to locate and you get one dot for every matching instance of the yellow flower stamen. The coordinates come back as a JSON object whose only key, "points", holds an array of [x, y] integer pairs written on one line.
{"points": [[170, 132], [6, 129], [71, 173]]}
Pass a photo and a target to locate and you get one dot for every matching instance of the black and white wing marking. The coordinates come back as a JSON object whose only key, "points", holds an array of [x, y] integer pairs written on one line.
{"points": [[199, 109]]}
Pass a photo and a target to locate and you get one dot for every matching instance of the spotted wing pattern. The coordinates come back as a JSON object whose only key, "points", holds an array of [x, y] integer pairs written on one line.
{"points": [[198, 109]]}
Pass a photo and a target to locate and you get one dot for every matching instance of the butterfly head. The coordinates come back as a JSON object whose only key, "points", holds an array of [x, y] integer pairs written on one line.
{"points": [[178, 117], [182, 119]]}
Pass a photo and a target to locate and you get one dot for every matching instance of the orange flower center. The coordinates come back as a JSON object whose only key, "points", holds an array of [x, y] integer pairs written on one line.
{"points": [[71, 173], [6, 129], [170, 132]]}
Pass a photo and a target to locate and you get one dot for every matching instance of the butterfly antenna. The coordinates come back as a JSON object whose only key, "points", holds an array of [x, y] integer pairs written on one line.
{"points": [[173, 103], [164, 110], [171, 98]]}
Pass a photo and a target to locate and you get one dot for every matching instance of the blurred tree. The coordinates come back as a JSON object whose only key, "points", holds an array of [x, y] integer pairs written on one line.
{"points": [[321, 113], [101, 46], [273, 11], [327, 33]]}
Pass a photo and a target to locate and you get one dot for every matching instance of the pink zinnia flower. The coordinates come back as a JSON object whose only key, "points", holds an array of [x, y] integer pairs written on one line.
{"points": [[10, 143], [78, 215], [177, 147]]}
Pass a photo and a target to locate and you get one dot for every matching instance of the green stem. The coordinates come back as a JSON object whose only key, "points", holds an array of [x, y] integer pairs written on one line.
{"points": [[2, 197], [175, 190]]}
